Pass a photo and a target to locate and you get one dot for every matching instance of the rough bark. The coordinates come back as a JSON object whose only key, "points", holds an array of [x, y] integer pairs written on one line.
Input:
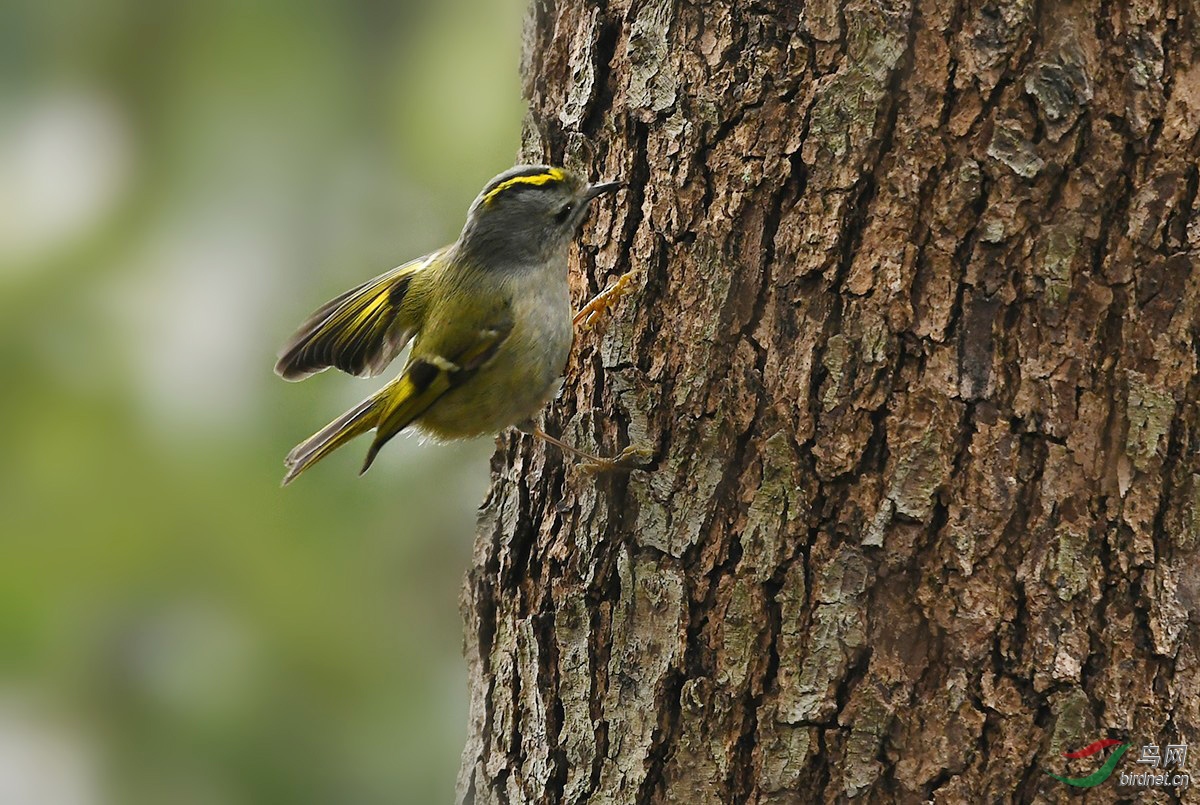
{"points": [[915, 341]]}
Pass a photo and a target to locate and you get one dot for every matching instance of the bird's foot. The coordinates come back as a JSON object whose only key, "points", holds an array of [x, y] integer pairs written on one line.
{"points": [[631, 458], [599, 307]]}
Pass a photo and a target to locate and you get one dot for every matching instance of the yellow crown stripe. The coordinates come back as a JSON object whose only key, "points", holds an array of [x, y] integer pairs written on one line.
{"points": [[536, 179]]}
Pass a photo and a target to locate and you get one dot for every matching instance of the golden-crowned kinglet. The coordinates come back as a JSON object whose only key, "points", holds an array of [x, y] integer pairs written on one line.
{"points": [[490, 315]]}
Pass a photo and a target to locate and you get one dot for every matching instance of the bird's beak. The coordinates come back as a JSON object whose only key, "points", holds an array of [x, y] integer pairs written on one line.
{"points": [[601, 189]]}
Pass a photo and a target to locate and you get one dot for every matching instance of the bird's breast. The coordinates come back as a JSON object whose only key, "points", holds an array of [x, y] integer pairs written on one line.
{"points": [[542, 330], [523, 374]]}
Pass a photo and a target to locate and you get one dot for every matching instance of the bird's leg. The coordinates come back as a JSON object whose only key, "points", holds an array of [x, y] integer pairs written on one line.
{"points": [[628, 459], [599, 306]]}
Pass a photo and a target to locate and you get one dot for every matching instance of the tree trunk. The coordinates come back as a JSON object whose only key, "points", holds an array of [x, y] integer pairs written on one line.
{"points": [[915, 340]]}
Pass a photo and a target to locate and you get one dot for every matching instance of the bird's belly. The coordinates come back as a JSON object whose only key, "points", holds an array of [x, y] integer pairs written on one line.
{"points": [[521, 378]]}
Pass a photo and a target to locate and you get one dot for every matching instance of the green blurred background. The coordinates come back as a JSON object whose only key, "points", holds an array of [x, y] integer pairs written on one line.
{"points": [[180, 184]]}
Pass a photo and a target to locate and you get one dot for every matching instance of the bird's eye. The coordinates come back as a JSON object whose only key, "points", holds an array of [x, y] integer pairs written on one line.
{"points": [[564, 213]]}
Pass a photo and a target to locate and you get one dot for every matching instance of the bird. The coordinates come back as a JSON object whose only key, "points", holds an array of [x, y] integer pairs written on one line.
{"points": [[489, 318]]}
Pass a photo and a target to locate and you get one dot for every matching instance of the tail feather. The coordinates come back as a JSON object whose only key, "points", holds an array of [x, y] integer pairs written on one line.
{"points": [[355, 422]]}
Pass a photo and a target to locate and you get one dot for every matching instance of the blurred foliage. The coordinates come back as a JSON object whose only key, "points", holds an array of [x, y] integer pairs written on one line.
{"points": [[180, 183]]}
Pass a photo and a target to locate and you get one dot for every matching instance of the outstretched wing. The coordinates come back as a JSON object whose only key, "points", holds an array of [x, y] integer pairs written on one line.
{"points": [[359, 332], [427, 378]]}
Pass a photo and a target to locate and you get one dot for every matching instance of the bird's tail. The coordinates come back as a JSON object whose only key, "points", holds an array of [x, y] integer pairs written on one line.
{"points": [[355, 422]]}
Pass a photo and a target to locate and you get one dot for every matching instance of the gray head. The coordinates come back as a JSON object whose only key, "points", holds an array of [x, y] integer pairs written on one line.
{"points": [[528, 214]]}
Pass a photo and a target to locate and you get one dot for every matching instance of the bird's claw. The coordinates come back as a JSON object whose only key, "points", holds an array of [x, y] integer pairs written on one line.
{"points": [[633, 457], [600, 305]]}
